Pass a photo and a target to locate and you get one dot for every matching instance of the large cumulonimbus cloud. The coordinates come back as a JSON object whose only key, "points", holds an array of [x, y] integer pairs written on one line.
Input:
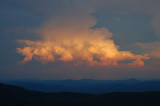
{"points": [[71, 38]]}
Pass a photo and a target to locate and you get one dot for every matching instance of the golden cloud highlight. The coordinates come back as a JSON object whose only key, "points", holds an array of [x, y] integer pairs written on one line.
{"points": [[74, 40]]}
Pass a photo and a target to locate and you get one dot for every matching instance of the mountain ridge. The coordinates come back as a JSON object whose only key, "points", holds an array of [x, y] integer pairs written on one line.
{"points": [[17, 96], [88, 86]]}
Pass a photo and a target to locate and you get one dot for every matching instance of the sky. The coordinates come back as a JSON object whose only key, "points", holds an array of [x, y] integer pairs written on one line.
{"points": [[79, 39]]}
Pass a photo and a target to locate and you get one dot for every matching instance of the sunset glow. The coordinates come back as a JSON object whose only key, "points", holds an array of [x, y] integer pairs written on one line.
{"points": [[80, 39], [78, 44]]}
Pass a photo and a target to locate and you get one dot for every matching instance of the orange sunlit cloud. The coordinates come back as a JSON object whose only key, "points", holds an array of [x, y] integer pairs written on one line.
{"points": [[76, 41]]}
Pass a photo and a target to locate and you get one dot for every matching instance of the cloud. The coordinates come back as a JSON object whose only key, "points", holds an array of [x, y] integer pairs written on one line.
{"points": [[156, 24], [50, 8], [67, 37], [151, 49], [70, 37]]}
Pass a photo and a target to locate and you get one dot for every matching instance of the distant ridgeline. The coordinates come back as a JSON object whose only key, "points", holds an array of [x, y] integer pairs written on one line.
{"points": [[88, 85], [11, 95]]}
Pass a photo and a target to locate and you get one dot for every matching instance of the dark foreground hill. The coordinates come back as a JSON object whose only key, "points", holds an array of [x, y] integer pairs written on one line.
{"points": [[16, 96]]}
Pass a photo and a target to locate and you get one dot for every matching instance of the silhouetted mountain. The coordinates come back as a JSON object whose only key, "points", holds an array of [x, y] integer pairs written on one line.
{"points": [[16, 96], [88, 85]]}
